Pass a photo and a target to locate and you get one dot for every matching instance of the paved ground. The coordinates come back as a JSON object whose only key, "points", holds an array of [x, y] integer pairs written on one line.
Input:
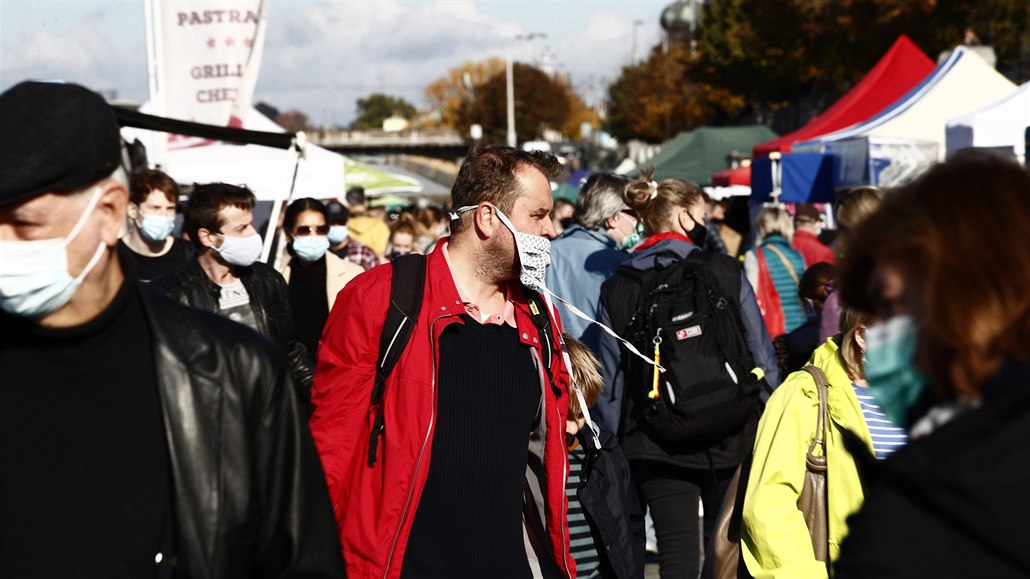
{"points": [[651, 571]]}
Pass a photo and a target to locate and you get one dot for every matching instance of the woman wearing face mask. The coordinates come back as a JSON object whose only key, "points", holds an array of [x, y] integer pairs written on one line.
{"points": [[314, 275], [774, 270], [775, 539], [404, 235], [943, 267], [672, 476], [590, 251]]}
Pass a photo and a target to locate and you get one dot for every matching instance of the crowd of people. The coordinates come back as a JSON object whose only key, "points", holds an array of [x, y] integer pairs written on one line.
{"points": [[507, 386]]}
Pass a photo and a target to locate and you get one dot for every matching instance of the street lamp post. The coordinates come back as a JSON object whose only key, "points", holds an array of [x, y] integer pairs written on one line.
{"points": [[510, 86]]}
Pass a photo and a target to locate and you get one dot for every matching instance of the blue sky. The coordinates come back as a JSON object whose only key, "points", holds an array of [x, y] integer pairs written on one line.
{"points": [[322, 56]]}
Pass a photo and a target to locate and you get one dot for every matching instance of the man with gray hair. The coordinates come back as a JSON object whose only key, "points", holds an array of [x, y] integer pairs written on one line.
{"points": [[138, 437], [590, 251]]}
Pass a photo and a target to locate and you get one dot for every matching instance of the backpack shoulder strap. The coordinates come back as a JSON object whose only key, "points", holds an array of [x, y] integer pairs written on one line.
{"points": [[726, 271], [406, 289], [786, 263], [542, 320]]}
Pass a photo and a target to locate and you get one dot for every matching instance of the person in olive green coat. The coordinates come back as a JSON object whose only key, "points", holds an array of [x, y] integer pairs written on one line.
{"points": [[775, 541]]}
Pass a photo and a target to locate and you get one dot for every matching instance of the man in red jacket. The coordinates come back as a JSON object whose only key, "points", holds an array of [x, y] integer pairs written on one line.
{"points": [[469, 471], [807, 222]]}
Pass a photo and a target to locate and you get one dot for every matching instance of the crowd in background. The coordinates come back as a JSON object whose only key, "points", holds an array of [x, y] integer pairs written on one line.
{"points": [[707, 371]]}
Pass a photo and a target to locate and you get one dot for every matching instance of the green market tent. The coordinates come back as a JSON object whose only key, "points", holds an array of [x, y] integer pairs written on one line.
{"points": [[696, 155]]}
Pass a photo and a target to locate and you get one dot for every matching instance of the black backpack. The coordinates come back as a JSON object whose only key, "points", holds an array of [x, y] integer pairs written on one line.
{"points": [[710, 387], [406, 289]]}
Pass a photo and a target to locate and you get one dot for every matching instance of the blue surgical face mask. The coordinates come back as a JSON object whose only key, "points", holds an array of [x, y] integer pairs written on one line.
{"points": [[893, 379], [34, 278], [337, 233], [633, 239], [156, 228], [310, 248]]}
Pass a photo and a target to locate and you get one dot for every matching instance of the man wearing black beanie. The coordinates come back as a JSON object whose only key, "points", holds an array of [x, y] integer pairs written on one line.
{"points": [[138, 438]]}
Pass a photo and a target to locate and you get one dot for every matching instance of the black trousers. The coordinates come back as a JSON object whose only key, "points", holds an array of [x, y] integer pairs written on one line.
{"points": [[672, 493]]}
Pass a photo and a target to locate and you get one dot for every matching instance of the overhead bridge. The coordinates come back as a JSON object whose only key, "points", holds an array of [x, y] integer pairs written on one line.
{"points": [[444, 144]]}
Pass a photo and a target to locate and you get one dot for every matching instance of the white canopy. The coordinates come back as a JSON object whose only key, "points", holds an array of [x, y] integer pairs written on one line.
{"points": [[264, 170], [999, 124], [962, 83]]}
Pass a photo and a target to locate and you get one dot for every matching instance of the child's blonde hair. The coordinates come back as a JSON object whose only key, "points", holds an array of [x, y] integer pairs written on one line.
{"points": [[586, 373]]}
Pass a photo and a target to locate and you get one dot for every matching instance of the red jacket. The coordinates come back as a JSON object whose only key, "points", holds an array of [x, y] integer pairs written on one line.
{"points": [[375, 505], [813, 250]]}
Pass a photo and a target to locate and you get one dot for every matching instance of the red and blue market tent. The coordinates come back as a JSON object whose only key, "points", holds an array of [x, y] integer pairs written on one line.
{"points": [[901, 68]]}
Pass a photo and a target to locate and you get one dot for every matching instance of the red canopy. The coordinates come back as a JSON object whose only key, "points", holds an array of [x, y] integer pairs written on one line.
{"points": [[903, 67], [728, 177]]}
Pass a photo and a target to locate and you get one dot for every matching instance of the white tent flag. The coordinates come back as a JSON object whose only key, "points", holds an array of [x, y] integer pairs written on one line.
{"points": [[210, 57]]}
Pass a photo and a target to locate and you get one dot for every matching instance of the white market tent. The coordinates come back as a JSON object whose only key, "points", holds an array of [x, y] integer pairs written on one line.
{"points": [[268, 171], [962, 83], [999, 124]]}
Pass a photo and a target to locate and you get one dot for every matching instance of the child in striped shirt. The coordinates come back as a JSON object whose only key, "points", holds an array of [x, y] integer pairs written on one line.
{"points": [[606, 523]]}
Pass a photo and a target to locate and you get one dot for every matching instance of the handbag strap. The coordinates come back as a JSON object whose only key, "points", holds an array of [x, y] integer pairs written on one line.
{"points": [[821, 385], [786, 262]]}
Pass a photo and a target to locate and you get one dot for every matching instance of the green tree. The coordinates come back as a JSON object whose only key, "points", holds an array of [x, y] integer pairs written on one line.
{"points": [[378, 107], [773, 52]]}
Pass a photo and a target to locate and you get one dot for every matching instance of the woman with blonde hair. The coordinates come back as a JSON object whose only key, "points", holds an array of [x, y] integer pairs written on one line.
{"points": [[672, 475], [775, 539], [943, 268], [851, 207], [774, 270]]}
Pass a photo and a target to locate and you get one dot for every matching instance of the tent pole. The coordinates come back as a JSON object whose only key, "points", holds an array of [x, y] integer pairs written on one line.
{"points": [[273, 219]]}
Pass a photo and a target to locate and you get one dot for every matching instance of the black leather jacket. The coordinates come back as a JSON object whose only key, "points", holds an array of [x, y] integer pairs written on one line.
{"points": [[249, 492], [269, 299]]}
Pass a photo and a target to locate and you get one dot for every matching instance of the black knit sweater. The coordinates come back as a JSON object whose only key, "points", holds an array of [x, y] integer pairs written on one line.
{"points": [[469, 517]]}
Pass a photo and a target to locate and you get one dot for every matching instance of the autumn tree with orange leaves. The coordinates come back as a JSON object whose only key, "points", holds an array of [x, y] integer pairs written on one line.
{"points": [[655, 99], [755, 55], [476, 93]]}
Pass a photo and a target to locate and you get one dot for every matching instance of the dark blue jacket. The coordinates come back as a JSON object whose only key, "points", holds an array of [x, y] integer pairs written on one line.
{"points": [[610, 501]]}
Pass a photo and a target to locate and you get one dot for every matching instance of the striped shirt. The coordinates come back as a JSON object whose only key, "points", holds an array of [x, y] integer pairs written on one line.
{"points": [[581, 539], [885, 435]]}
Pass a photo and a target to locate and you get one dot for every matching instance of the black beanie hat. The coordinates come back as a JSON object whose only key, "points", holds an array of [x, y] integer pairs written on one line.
{"points": [[55, 138]]}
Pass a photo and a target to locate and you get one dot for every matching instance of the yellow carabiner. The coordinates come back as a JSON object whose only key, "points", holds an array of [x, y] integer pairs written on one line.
{"points": [[654, 394]]}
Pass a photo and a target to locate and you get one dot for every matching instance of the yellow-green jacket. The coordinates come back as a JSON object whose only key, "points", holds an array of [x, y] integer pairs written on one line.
{"points": [[775, 540]]}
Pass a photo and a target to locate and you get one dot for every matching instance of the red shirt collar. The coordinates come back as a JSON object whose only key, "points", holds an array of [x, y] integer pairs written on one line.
{"points": [[662, 237]]}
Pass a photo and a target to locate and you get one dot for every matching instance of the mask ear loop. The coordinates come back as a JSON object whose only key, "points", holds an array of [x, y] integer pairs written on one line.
{"points": [[78, 227], [457, 212], [85, 215]]}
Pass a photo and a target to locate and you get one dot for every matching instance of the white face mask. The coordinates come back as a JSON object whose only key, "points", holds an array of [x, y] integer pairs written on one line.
{"points": [[534, 257], [240, 251], [34, 278], [534, 251]]}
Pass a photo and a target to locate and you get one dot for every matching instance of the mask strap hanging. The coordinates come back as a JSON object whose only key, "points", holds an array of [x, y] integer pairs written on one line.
{"points": [[579, 313], [594, 430]]}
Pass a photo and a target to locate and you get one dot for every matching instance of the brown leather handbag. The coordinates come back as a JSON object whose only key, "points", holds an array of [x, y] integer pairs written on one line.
{"points": [[723, 560]]}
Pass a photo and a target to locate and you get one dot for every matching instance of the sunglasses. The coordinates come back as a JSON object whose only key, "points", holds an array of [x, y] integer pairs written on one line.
{"points": [[630, 212], [304, 230]]}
